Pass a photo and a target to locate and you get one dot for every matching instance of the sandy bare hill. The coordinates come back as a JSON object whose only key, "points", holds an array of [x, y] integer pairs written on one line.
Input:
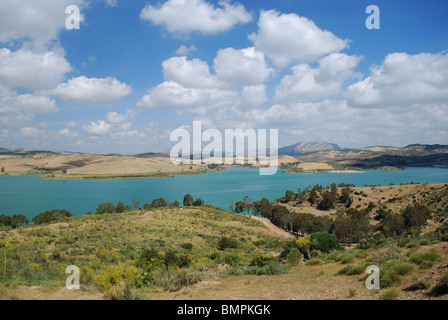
{"points": [[92, 164]]}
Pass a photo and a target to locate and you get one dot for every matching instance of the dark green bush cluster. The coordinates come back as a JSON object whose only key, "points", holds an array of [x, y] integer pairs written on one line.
{"points": [[51, 216], [14, 221], [226, 243]]}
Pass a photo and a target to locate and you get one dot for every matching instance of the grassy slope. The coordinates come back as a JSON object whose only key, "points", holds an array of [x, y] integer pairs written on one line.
{"points": [[95, 242]]}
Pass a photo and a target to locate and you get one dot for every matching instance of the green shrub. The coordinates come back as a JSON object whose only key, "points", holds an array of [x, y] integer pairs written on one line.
{"points": [[294, 256], [346, 271], [392, 253], [187, 246], [352, 292], [189, 277], [411, 245], [270, 270], [391, 294], [392, 272], [345, 258], [424, 242], [424, 259], [442, 286], [314, 262], [419, 283], [260, 261], [324, 242], [226, 243], [360, 254]]}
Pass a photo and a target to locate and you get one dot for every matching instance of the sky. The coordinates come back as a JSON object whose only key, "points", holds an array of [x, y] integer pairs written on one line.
{"points": [[136, 70]]}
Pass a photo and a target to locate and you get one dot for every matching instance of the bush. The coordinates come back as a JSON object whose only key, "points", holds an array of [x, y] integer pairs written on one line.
{"points": [[391, 294], [346, 271], [189, 277], [324, 242], [51, 216], [345, 258], [442, 286], [411, 245], [419, 283], [294, 256], [260, 261], [392, 272], [270, 270], [107, 207], [187, 246], [314, 262], [424, 259], [118, 282], [225, 243], [158, 203]]}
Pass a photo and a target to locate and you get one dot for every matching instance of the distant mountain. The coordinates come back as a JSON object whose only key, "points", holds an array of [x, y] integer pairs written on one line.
{"points": [[307, 146]]}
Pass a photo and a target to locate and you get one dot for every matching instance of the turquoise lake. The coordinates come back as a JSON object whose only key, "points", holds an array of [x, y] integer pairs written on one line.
{"points": [[32, 194]]}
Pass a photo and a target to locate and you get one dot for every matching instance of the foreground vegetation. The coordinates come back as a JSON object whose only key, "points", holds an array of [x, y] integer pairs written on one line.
{"points": [[160, 250]]}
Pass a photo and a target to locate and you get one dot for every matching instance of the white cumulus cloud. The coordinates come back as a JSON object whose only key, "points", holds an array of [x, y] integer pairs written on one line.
{"points": [[308, 84], [403, 80], [289, 38], [99, 127], [186, 16], [241, 67], [91, 89], [189, 73], [40, 21], [32, 70]]}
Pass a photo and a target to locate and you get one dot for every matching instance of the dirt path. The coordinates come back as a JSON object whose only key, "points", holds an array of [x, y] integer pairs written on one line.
{"points": [[273, 228]]}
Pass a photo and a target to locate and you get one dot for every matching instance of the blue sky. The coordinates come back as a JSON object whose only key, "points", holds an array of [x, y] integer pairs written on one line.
{"points": [[136, 70]]}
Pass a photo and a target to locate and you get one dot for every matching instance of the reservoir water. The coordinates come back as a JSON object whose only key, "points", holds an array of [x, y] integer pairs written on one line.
{"points": [[32, 194]]}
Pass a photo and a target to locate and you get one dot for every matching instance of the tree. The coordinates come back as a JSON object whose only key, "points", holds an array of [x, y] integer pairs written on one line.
{"points": [[263, 208], [15, 221], [416, 215], [18, 220], [392, 224], [107, 207], [188, 200], [328, 201], [313, 198], [324, 242], [290, 196], [136, 204], [50, 216], [353, 227], [334, 189], [345, 197], [198, 202], [120, 207], [281, 217], [174, 204], [247, 204], [239, 206], [158, 203], [231, 205]]}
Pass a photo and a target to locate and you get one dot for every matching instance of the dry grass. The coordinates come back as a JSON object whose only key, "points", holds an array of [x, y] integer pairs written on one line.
{"points": [[92, 164]]}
